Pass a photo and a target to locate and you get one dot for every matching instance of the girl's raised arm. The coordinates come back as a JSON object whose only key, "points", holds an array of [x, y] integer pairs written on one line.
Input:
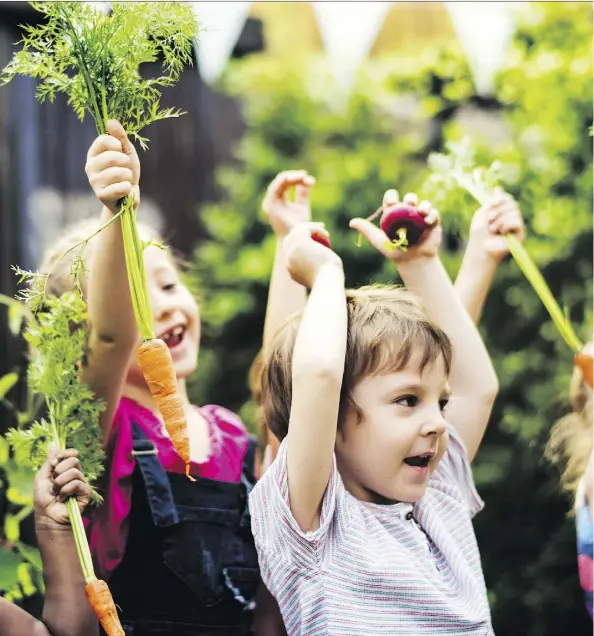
{"points": [[113, 170]]}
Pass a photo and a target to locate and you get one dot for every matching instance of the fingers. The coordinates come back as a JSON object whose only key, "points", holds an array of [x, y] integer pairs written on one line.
{"points": [[303, 190], [391, 197], [116, 130], [411, 199], [371, 232], [283, 181], [104, 143], [68, 479]]}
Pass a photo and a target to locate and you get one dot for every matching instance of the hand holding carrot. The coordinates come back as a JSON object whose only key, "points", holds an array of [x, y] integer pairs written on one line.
{"points": [[113, 167], [414, 225], [307, 258], [492, 222], [59, 478], [282, 213]]}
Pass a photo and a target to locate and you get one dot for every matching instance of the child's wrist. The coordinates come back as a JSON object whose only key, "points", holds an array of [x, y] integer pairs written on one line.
{"points": [[480, 258]]}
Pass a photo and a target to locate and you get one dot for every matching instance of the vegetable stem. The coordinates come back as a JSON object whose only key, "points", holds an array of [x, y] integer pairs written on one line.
{"points": [[532, 273]]}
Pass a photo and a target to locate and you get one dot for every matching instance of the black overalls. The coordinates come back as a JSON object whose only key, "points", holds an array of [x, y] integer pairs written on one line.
{"points": [[190, 566]]}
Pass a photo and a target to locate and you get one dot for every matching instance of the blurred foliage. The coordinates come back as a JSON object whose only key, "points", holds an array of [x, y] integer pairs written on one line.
{"points": [[537, 126], [21, 579]]}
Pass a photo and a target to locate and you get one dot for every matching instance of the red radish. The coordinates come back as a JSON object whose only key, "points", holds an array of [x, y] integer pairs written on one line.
{"points": [[403, 225], [321, 239], [585, 363]]}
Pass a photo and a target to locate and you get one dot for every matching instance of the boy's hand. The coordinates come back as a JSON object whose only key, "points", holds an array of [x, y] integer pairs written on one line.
{"points": [[429, 244], [306, 257], [113, 167], [492, 222], [282, 213], [59, 478]]}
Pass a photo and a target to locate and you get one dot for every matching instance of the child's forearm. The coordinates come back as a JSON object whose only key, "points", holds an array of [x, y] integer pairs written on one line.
{"points": [[66, 610], [113, 333], [317, 370], [14, 621], [474, 281], [473, 380], [285, 297], [110, 305]]}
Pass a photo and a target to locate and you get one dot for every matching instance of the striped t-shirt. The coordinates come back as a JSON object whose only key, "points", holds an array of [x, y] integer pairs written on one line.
{"points": [[373, 569]]}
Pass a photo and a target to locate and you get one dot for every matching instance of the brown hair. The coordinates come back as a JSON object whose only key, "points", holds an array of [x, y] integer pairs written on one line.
{"points": [[386, 326], [57, 261], [570, 444]]}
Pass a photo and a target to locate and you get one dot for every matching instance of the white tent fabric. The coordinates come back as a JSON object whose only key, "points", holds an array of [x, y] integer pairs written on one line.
{"points": [[348, 31], [221, 24], [484, 30]]}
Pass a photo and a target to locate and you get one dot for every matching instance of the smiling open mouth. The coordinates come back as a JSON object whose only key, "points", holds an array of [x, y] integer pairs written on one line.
{"points": [[174, 337]]}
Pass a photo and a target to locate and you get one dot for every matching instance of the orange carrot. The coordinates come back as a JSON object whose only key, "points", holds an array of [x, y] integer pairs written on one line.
{"points": [[102, 603], [585, 363], [155, 361]]}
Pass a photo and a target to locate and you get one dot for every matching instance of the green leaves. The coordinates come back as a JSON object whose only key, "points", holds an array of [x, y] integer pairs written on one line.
{"points": [[58, 343], [95, 58], [456, 168]]}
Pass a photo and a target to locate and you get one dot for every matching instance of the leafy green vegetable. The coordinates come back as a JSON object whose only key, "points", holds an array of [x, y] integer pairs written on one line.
{"points": [[58, 343], [456, 169], [94, 58]]}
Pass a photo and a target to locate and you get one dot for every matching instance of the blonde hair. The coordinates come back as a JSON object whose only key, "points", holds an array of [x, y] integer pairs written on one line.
{"points": [[58, 260], [386, 326], [570, 443]]}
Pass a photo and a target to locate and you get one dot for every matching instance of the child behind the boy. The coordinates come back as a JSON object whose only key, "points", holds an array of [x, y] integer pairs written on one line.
{"points": [[363, 523], [178, 556]]}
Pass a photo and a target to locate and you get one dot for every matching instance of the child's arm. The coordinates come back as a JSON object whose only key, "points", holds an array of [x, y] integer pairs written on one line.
{"points": [[485, 250], [285, 296], [113, 170], [66, 611], [473, 381], [317, 370]]}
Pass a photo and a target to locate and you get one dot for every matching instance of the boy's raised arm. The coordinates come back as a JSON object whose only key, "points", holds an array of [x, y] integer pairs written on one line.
{"points": [[473, 381], [317, 370]]}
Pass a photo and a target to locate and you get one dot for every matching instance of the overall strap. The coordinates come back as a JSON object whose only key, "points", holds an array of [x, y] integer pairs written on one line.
{"points": [[154, 476], [247, 479]]}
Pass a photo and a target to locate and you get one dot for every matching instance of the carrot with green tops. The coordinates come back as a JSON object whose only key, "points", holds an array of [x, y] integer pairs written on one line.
{"points": [[155, 361]]}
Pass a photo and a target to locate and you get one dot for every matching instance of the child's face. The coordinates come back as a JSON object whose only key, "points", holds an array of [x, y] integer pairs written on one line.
{"points": [[379, 457], [176, 317]]}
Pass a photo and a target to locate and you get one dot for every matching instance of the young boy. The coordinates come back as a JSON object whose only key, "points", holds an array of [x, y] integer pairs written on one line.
{"points": [[363, 523]]}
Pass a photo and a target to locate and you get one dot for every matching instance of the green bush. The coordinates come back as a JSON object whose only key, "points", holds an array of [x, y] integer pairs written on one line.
{"points": [[358, 149]]}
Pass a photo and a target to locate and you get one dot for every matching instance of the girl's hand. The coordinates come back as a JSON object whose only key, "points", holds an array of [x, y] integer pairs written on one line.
{"points": [[428, 246], [492, 222], [306, 257], [282, 213], [59, 478], [113, 167]]}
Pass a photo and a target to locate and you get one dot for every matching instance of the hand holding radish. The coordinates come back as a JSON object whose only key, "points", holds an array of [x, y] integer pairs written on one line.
{"points": [[407, 230], [492, 222], [306, 257], [59, 478], [282, 213], [113, 167]]}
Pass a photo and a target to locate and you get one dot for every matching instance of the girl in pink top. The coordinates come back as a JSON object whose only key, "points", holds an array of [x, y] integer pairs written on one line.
{"points": [[179, 556]]}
